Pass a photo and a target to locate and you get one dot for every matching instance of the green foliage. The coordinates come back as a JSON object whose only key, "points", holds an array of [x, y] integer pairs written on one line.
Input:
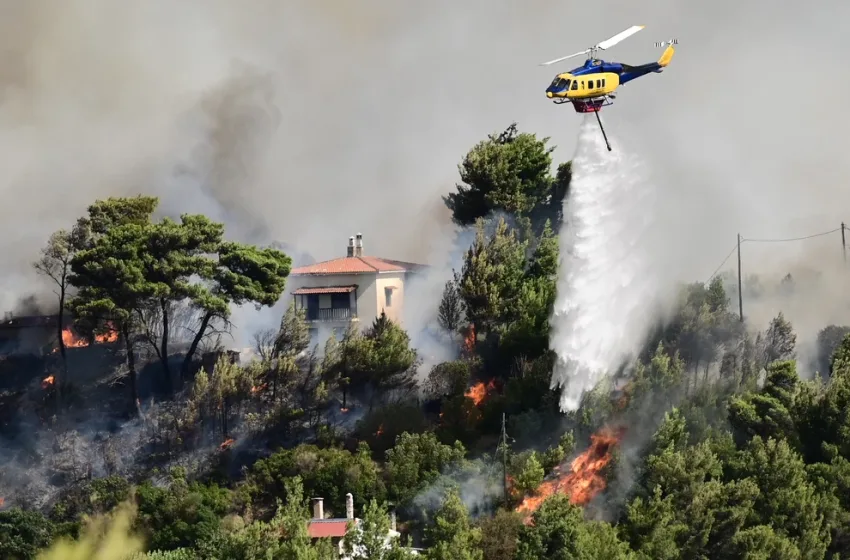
{"points": [[417, 460], [558, 530], [509, 172], [23, 533], [452, 537], [329, 473]]}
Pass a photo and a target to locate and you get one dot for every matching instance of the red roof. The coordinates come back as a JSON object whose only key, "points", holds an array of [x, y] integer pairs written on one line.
{"points": [[325, 290], [355, 265], [320, 528]]}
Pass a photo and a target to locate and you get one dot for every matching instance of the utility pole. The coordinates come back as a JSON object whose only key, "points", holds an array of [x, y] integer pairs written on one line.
{"points": [[505, 460], [843, 244], [740, 289]]}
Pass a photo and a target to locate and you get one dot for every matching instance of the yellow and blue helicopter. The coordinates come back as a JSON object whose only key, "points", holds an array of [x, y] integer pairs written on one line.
{"points": [[591, 86]]}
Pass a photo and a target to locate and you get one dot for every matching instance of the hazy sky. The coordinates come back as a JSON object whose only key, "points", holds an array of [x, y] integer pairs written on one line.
{"points": [[307, 121]]}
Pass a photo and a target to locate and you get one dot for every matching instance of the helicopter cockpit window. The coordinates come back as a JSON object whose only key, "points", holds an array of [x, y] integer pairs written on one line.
{"points": [[567, 84]]}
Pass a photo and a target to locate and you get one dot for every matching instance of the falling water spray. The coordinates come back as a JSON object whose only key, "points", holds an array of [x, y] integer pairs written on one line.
{"points": [[606, 288]]}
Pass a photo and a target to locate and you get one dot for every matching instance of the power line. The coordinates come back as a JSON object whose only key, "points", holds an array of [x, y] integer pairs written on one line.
{"points": [[782, 240], [713, 274], [792, 238]]}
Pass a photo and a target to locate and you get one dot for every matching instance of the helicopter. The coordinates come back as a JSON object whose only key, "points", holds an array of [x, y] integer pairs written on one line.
{"points": [[591, 86]]}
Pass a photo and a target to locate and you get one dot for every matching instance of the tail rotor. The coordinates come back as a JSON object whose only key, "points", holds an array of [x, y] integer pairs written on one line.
{"points": [[666, 43]]}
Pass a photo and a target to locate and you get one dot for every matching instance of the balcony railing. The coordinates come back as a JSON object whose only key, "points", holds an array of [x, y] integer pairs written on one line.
{"points": [[336, 314]]}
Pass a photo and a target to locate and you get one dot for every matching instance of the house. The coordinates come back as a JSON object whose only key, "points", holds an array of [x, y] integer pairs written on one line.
{"points": [[336, 528], [34, 335], [355, 288]]}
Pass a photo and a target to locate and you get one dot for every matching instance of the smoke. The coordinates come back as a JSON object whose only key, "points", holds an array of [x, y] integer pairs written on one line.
{"points": [[307, 120], [609, 283]]}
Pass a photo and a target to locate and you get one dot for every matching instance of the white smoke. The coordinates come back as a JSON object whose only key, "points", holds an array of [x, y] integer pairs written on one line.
{"points": [[608, 286]]}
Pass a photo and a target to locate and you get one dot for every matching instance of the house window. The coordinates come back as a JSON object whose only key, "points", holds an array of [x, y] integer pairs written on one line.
{"points": [[388, 295]]}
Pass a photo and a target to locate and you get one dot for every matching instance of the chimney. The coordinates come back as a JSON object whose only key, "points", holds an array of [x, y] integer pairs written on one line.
{"points": [[350, 246], [349, 506], [358, 246], [318, 508]]}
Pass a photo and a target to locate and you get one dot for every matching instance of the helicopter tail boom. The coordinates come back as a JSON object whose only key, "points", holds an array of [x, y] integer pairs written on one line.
{"points": [[666, 56]]}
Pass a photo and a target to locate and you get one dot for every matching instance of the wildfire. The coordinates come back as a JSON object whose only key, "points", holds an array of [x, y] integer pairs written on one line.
{"points": [[226, 443], [2, 501], [71, 340], [48, 382], [469, 339], [584, 481], [257, 388], [479, 391]]}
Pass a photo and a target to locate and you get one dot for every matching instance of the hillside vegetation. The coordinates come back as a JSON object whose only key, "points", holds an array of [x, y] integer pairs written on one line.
{"points": [[712, 446]]}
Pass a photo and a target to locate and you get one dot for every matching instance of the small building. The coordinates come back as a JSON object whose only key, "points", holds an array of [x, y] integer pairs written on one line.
{"points": [[355, 288], [35, 335], [336, 528]]}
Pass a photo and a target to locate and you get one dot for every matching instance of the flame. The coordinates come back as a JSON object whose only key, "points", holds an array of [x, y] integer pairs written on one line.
{"points": [[2, 501], [380, 430], [479, 391], [226, 443], [469, 339], [70, 340], [47, 381], [257, 388], [584, 481], [111, 336], [343, 410]]}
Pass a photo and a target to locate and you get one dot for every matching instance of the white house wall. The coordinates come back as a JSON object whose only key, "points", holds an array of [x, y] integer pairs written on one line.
{"points": [[393, 280]]}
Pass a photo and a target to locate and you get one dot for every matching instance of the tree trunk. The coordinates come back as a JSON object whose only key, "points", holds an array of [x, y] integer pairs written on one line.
{"points": [[163, 352], [131, 366], [60, 326], [187, 360]]}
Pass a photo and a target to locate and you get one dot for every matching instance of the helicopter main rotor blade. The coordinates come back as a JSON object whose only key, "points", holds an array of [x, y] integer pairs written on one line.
{"points": [[608, 43], [565, 57]]}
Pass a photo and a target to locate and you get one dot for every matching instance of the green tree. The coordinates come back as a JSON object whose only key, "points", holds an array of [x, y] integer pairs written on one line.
{"points": [[492, 276], [417, 460], [378, 360], [499, 535], [508, 171], [558, 530], [370, 538], [452, 537], [23, 533], [451, 309]]}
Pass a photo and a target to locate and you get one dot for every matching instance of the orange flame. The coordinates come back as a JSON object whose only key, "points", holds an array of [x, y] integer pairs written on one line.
{"points": [[479, 391], [70, 340], [585, 480], [257, 388], [343, 410], [47, 381], [469, 339], [2, 501], [226, 443]]}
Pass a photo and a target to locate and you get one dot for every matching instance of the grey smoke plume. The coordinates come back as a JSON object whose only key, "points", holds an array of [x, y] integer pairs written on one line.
{"points": [[307, 120]]}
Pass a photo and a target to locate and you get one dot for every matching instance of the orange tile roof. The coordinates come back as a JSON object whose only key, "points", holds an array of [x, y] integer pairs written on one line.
{"points": [[354, 265], [324, 290], [322, 528]]}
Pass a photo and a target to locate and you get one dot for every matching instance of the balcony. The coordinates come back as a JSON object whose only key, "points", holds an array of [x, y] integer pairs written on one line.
{"points": [[330, 314]]}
